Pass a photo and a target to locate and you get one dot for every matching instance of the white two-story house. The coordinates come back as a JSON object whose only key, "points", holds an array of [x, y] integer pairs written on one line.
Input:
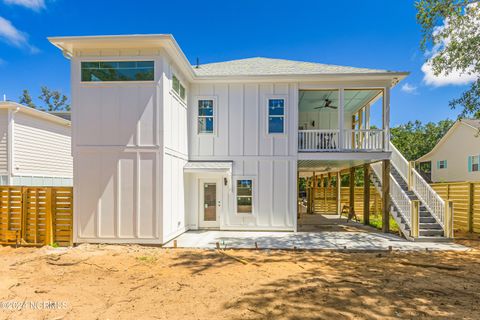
{"points": [[161, 147]]}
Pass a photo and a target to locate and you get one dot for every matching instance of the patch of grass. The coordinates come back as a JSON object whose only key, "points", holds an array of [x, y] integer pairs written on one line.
{"points": [[376, 222], [148, 259], [54, 245]]}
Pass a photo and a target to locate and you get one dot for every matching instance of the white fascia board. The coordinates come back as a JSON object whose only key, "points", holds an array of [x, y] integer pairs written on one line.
{"points": [[34, 112]]}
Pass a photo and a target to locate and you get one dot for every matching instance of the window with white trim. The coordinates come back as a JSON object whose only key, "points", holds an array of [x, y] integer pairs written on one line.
{"points": [[473, 163], [276, 116], [178, 88], [442, 164], [206, 116], [244, 196]]}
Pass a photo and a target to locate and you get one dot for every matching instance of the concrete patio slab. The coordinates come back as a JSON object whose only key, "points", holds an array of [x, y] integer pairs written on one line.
{"points": [[325, 240]]}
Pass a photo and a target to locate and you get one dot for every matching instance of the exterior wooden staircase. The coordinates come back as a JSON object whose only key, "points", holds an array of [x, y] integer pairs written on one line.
{"points": [[418, 210]]}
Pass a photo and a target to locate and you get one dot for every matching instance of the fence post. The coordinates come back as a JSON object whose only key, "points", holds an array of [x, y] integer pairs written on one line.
{"points": [[415, 209], [24, 213], [48, 216], [470, 208], [448, 225]]}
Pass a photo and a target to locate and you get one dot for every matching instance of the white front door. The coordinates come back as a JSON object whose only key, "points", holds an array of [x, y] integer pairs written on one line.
{"points": [[210, 204]]}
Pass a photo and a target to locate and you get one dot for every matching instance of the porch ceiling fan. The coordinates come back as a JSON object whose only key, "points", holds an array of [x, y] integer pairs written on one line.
{"points": [[328, 104]]}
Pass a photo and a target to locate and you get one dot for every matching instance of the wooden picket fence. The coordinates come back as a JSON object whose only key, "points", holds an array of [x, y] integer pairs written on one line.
{"points": [[36, 215], [466, 203]]}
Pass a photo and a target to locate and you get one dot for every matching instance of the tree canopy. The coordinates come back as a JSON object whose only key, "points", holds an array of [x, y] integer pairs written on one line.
{"points": [[53, 100], [415, 139], [451, 36]]}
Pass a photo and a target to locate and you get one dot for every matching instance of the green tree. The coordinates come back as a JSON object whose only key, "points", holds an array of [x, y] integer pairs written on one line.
{"points": [[414, 139], [451, 31], [54, 100], [26, 99]]}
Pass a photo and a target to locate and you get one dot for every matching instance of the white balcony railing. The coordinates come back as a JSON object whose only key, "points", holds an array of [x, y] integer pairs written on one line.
{"points": [[329, 140]]}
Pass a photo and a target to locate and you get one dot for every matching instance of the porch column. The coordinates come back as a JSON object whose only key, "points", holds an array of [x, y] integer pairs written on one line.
{"points": [[367, 116], [366, 194], [386, 119], [315, 185], [352, 191], [341, 118], [386, 195], [339, 193]]}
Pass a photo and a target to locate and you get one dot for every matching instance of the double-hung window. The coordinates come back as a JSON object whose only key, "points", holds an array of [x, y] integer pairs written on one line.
{"points": [[276, 116], [244, 197], [473, 163], [206, 116], [441, 164]]}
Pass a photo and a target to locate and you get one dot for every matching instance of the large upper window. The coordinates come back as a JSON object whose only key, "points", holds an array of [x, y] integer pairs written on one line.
{"points": [[276, 115], [178, 87], [245, 196], [206, 116], [95, 71]]}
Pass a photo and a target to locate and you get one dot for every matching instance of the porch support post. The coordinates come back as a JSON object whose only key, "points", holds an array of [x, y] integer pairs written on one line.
{"points": [[341, 118], [366, 194], [339, 193], [386, 196], [367, 116], [314, 194], [386, 119], [352, 191]]}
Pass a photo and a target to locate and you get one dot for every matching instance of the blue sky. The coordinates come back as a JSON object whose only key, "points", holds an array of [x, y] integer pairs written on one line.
{"points": [[375, 34]]}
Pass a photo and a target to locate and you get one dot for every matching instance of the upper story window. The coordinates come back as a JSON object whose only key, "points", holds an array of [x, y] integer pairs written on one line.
{"points": [[276, 116], [98, 71], [473, 163], [442, 164], [206, 116], [178, 88]]}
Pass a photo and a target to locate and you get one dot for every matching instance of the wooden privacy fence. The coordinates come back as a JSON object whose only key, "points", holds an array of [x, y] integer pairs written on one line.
{"points": [[36, 215], [466, 203], [325, 200]]}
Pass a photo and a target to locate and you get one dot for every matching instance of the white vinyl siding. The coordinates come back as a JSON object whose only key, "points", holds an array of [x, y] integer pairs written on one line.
{"points": [[40, 147]]}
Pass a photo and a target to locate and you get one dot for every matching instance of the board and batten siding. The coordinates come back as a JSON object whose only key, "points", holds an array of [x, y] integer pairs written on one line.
{"points": [[117, 142], [41, 148], [241, 136]]}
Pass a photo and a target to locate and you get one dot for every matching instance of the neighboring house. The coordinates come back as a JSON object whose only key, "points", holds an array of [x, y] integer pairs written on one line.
{"points": [[162, 147], [456, 157], [35, 147]]}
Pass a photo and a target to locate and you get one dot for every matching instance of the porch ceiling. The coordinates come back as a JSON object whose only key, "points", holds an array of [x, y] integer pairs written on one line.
{"points": [[354, 99], [326, 166]]}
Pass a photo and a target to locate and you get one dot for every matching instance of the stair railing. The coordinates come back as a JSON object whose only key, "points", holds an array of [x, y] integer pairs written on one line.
{"points": [[429, 197], [400, 163], [401, 201]]}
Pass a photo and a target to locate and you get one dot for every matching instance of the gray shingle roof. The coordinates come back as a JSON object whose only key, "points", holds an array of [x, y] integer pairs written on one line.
{"points": [[267, 66], [472, 122]]}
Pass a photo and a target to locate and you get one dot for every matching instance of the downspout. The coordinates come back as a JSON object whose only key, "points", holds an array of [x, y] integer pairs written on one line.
{"points": [[10, 158]]}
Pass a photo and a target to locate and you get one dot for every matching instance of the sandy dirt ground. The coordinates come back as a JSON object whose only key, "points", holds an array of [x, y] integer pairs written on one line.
{"points": [[135, 282]]}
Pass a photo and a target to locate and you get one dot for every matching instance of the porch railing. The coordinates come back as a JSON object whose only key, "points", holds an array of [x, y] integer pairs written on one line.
{"points": [[329, 140], [318, 140]]}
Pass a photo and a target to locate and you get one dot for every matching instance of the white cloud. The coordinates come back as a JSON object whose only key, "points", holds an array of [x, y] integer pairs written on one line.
{"points": [[13, 36], [409, 88], [36, 5], [455, 77]]}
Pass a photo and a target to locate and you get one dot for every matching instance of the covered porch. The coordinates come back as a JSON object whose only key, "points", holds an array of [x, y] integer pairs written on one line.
{"points": [[354, 120]]}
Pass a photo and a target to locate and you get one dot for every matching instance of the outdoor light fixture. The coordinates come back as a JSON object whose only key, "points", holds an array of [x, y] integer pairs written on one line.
{"points": [[225, 181]]}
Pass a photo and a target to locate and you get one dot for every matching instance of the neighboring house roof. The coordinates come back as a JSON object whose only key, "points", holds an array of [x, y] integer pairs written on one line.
{"points": [[252, 67], [34, 112], [471, 123], [268, 66], [62, 114]]}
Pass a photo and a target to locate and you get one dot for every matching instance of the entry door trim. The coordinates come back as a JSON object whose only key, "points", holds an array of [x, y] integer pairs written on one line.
{"points": [[202, 224]]}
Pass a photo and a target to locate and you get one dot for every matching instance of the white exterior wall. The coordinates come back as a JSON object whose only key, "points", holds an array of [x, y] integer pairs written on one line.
{"points": [[117, 145], [41, 148], [464, 141], [241, 136]]}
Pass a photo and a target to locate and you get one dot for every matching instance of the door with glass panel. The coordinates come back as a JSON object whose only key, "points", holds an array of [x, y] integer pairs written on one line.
{"points": [[210, 203]]}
